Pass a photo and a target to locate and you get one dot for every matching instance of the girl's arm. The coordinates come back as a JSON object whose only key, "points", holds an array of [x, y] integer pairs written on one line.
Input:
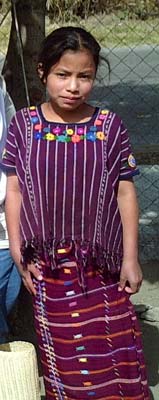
{"points": [[12, 208], [131, 274]]}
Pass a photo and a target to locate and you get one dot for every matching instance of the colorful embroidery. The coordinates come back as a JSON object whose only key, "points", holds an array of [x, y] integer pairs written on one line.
{"points": [[131, 161], [68, 134]]}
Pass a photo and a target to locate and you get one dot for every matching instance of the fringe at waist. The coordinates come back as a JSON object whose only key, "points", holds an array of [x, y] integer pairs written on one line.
{"points": [[54, 253]]}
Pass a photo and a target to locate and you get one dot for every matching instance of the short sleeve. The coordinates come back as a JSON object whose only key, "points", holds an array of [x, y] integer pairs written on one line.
{"points": [[128, 167], [9, 154]]}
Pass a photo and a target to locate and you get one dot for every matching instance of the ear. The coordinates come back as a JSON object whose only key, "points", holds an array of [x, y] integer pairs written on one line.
{"points": [[41, 72]]}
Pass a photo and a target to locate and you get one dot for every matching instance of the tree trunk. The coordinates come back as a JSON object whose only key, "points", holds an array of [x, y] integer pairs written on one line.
{"points": [[31, 21]]}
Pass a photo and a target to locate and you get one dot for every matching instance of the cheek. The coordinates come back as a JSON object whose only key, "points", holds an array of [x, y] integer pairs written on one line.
{"points": [[87, 87], [54, 87]]}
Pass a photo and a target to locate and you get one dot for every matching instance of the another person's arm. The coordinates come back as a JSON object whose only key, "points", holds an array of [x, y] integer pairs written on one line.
{"points": [[7, 110], [8, 103], [131, 274]]}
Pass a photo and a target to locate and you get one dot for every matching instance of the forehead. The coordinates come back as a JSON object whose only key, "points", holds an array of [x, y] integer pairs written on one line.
{"points": [[76, 61]]}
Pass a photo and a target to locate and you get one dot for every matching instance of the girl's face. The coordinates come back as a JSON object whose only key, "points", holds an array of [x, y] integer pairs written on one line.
{"points": [[70, 81]]}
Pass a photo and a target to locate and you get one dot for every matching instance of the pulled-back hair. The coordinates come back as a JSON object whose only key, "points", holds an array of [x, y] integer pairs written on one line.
{"points": [[63, 39]]}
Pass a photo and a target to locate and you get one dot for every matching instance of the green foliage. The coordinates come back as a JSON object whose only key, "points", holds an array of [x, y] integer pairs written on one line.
{"points": [[65, 10], [4, 5], [112, 31]]}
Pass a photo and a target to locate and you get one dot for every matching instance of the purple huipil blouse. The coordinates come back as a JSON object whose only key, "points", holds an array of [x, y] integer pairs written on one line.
{"points": [[68, 176]]}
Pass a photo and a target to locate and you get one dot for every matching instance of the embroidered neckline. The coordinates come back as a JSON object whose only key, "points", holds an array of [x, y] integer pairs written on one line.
{"points": [[89, 120], [60, 132]]}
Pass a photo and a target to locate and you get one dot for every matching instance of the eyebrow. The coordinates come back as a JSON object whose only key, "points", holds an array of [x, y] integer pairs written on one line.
{"points": [[68, 71]]}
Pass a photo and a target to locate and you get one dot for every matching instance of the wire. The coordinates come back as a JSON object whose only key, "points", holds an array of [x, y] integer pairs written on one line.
{"points": [[20, 50]]}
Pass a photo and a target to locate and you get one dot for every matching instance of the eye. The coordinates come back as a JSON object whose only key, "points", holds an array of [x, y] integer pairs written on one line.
{"points": [[61, 74], [86, 77]]}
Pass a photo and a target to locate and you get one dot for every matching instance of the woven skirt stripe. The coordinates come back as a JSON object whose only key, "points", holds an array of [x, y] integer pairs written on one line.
{"points": [[90, 344]]}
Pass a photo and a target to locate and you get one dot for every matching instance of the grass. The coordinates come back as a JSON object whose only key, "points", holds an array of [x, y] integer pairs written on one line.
{"points": [[111, 30], [4, 33]]}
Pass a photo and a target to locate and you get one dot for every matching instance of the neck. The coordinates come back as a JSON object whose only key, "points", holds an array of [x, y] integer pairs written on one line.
{"points": [[80, 114]]}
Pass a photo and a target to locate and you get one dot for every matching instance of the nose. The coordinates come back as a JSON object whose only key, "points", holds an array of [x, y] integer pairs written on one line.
{"points": [[73, 85]]}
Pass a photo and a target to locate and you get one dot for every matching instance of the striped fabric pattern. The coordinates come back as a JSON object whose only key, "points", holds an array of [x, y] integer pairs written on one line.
{"points": [[89, 339], [90, 345], [69, 189]]}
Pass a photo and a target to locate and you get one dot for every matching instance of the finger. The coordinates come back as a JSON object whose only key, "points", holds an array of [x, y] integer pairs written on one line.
{"points": [[26, 286], [122, 284], [28, 283], [129, 290], [35, 272], [132, 288], [139, 286], [42, 262], [29, 286]]}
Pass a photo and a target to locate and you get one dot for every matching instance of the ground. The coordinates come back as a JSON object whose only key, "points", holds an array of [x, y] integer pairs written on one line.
{"points": [[147, 307]]}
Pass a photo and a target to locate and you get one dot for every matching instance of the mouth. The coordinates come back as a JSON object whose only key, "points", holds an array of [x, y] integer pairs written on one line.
{"points": [[70, 99]]}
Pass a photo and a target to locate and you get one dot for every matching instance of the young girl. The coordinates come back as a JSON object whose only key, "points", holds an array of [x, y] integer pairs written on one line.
{"points": [[72, 218]]}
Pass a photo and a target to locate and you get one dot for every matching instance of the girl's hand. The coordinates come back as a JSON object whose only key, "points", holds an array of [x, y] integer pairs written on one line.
{"points": [[130, 277], [27, 274]]}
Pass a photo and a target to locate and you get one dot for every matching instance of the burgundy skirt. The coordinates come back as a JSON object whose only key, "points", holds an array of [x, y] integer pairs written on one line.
{"points": [[90, 343]]}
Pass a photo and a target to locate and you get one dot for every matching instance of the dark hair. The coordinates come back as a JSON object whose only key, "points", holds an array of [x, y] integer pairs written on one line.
{"points": [[62, 39]]}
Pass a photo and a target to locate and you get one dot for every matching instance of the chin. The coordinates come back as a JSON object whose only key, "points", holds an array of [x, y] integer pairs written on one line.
{"points": [[69, 106]]}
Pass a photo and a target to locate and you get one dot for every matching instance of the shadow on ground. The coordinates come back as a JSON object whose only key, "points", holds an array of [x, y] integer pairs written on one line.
{"points": [[151, 273]]}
